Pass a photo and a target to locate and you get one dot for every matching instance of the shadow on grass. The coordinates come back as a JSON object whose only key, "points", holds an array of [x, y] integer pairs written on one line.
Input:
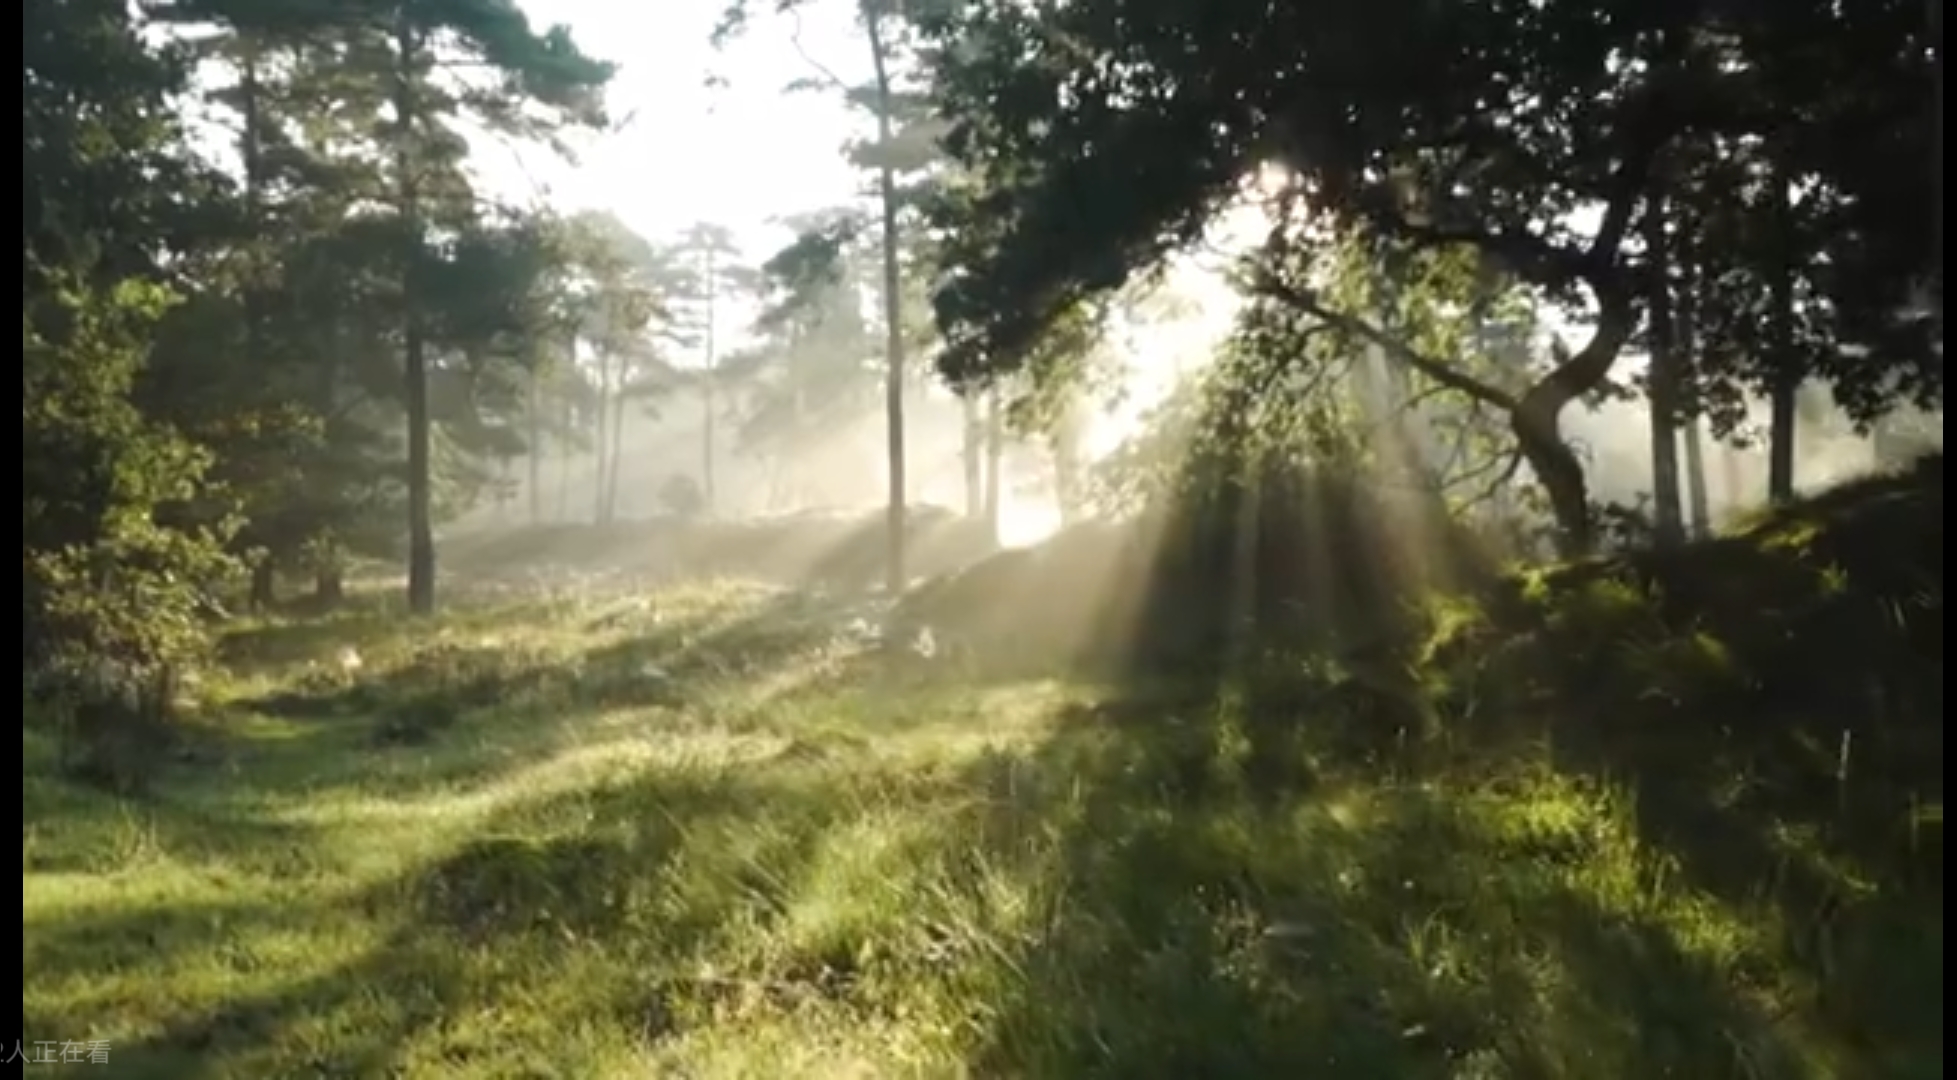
{"points": [[1209, 921], [462, 711], [69, 828], [350, 1019], [576, 913], [1157, 890], [466, 707]]}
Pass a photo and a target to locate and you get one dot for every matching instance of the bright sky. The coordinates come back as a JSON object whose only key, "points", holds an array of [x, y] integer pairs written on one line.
{"points": [[737, 156]]}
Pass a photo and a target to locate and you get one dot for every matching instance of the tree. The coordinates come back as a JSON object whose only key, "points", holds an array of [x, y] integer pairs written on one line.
{"points": [[903, 142], [619, 298], [352, 151], [203, 330], [413, 60], [1663, 374], [546, 72], [710, 273], [1421, 127], [815, 368], [119, 538], [1799, 218]]}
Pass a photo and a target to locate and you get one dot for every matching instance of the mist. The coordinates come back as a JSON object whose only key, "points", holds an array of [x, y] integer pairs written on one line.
{"points": [[1614, 439], [845, 471]]}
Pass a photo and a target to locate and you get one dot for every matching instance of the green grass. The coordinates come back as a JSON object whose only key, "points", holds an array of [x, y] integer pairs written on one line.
{"points": [[700, 834]]}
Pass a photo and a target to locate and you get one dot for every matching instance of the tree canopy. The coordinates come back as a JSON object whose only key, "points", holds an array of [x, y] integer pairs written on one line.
{"points": [[1096, 137]]}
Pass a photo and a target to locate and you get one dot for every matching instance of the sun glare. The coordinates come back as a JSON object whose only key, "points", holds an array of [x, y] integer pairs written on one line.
{"points": [[1270, 180], [1026, 522]]}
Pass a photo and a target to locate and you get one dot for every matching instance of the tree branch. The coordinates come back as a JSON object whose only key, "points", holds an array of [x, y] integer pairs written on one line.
{"points": [[1510, 467], [1306, 300], [1617, 319], [1530, 257], [795, 41]]}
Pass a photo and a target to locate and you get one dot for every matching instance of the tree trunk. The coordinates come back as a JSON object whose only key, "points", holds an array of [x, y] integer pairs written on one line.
{"points": [[995, 457], [601, 446], [617, 456], [421, 526], [251, 149], [1698, 502], [708, 486], [1782, 430], [896, 576], [567, 423], [329, 588], [1662, 385], [264, 585], [1535, 418], [1784, 395], [974, 456], [264, 574], [1697, 498], [1537, 422], [534, 421], [1935, 284], [1067, 478]]}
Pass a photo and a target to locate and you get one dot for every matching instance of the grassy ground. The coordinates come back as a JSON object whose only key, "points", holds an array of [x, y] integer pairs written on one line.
{"points": [[697, 835]]}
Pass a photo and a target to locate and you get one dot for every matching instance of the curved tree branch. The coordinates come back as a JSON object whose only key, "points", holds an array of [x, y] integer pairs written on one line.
{"points": [[1447, 375]]}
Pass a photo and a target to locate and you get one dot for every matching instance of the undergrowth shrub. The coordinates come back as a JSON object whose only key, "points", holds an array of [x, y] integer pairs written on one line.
{"points": [[1789, 671], [120, 536], [113, 629]]}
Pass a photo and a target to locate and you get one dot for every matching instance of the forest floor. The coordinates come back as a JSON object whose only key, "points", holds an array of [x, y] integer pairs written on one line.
{"points": [[696, 834]]}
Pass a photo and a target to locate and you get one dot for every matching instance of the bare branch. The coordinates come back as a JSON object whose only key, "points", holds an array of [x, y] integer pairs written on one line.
{"points": [[795, 41], [1510, 466]]}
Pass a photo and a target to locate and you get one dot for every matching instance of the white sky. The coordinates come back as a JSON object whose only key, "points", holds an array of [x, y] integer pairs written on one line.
{"points": [[737, 156]]}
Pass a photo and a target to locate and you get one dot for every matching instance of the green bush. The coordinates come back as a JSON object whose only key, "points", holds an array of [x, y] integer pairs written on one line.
{"points": [[121, 536]]}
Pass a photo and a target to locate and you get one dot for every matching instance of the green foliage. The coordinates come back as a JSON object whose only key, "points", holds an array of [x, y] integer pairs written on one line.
{"points": [[103, 177], [1288, 389], [120, 537], [105, 575], [1413, 132], [817, 367], [1406, 144], [205, 374], [1773, 648], [114, 595]]}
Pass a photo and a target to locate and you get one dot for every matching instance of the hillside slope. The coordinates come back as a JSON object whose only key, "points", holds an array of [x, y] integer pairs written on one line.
{"points": [[1590, 828]]}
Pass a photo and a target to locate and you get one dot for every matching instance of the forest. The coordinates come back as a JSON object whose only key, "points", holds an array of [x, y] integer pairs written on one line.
{"points": [[1151, 585]]}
